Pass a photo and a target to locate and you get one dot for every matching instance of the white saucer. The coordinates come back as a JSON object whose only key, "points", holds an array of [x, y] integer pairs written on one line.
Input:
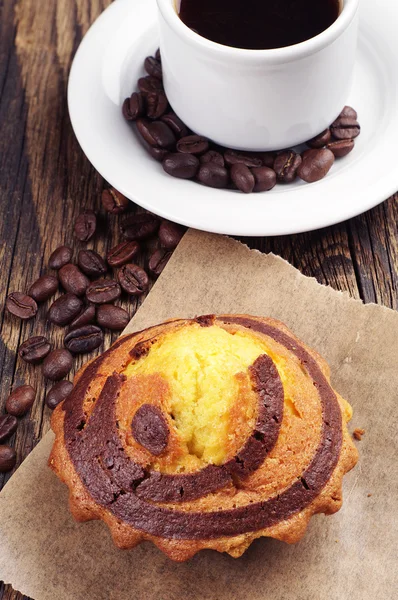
{"points": [[106, 68]]}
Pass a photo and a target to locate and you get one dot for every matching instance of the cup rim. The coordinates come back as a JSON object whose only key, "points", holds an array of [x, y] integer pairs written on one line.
{"points": [[274, 55]]}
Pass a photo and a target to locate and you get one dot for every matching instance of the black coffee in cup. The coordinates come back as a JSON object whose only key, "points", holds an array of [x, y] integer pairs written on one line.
{"points": [[259, 24]]}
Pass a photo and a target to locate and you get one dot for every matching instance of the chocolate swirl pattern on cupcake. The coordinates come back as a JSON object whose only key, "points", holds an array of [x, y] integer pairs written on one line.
{"points": [[204, 433]]}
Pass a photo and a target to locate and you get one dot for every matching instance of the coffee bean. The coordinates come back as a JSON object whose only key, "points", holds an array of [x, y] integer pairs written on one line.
{"points": [[43, 288], [21, 400], [126, 110], [83, 340], [85, 225], [267, 158], [58, 393], [156, 133], [73, 280], [153, 67], [158, 154], [91, 263], [157, 55], [316, 165], [341, 148], [34, 349], [137, 105], [265, 179], [286, 165], [122, 253], [133, 107], [65, 309], [242, 178], [112, 317], [133, 279], [157, 104], [320, 140], [184, 166], [139, 226], [8, 459], [21, 306], [193, 144], [212, 156], [158, 261], [114, 202], [8, 426], [103, 291], [306, 153], [149, 84], [170, 234], [86, 317], [345, 128], [60, 257], [233, 158], [57, 364], [144, 129], [349, 112], [175, 124], [213, 175]]}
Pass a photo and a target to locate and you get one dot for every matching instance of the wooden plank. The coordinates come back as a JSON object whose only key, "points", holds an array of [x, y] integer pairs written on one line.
{"points": [[7, 593], [37, 146], [374, 244], [14, 185], [42, 167]]}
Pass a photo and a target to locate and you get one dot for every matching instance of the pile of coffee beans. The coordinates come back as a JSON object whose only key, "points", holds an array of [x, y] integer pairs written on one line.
{"points": [[86, 306], [186, 155], [18, 404]]}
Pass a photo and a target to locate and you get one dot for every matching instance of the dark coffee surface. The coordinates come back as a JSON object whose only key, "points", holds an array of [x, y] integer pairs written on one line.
{"points": [[259, 24]]}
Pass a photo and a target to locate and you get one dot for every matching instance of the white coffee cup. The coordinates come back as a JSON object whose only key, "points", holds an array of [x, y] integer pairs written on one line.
{"points": [[257, 99]]}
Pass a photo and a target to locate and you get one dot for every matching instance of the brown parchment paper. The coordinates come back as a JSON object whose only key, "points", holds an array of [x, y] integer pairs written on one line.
{"points": [[350, 555]]}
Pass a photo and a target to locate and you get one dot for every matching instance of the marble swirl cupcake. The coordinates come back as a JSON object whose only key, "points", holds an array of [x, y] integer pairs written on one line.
{"points": [[204, 433]]}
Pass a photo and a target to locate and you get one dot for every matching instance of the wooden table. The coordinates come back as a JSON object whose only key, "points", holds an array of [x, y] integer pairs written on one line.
{"points": [[46, 180]]}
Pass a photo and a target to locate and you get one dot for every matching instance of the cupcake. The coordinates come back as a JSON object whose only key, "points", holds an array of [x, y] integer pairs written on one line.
{"points": [[204, 433]]}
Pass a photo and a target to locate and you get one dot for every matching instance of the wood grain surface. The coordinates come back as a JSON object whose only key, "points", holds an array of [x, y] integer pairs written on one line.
{"points": [[45, 181]]}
